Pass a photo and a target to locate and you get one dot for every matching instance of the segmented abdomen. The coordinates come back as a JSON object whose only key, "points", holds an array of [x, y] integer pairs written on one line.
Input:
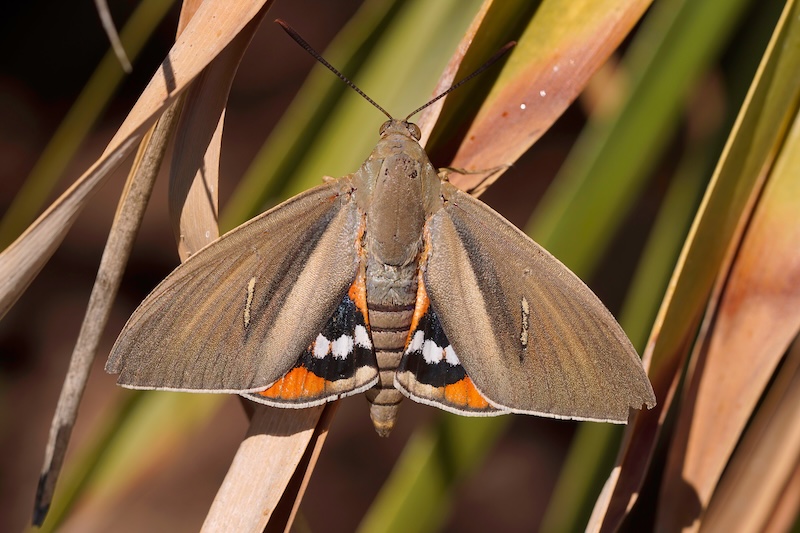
{"points": [[391, 296]]}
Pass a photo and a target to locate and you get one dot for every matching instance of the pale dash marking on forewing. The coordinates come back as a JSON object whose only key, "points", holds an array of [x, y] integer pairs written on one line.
{"points": [[526, 314], [251, 285]]}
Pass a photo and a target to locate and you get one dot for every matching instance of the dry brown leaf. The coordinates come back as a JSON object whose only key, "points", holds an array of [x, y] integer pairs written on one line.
{"points": [[289, 504], [276, 442], [194, 173]]}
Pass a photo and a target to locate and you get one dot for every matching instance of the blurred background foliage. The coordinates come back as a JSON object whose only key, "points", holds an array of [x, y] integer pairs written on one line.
{"points": [[611, 190]]}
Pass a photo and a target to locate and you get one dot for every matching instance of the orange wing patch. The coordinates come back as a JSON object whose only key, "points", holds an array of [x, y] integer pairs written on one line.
{"points": [[464, 393], [298, 383], [420, 307], [358, 294]]}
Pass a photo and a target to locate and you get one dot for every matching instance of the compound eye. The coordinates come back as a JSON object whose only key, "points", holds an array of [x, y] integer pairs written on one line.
{"points": [[384, 127], [414, 131]]}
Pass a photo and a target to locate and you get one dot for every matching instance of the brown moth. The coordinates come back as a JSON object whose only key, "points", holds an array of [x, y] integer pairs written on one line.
{"points": [[389, 281]]}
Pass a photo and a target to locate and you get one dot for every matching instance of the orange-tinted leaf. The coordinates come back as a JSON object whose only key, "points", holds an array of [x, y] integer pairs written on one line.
{"points": [[737, 181], [759, 490], [563, 46], [757, 318]]}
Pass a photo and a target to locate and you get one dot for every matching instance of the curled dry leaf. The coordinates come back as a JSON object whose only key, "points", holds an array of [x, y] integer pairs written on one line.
{"points": [[194, 172]]}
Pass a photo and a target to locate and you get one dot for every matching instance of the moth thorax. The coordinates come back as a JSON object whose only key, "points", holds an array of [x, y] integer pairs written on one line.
{"points": [[396, 215]]}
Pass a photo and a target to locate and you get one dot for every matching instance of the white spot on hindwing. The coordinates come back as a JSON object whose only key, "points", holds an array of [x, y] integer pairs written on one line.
{"points": [[342, 347], [321, 346], [362, 337], [433, 353], [251, 286], [451, 357], [416, 342]]}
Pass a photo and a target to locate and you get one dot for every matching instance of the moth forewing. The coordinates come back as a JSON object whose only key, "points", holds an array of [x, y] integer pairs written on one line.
{"points": [[236, 315], [531, 335]]}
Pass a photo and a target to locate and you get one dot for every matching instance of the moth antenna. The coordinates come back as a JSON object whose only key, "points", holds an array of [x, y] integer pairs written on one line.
{"points": [[500, 53], [299, 40]]}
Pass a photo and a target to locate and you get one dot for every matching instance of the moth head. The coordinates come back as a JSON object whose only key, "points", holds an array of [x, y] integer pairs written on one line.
{"points": [[400, 126]]}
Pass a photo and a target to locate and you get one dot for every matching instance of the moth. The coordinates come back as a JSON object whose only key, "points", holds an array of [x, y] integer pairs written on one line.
{"points": [[389, 281]]}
